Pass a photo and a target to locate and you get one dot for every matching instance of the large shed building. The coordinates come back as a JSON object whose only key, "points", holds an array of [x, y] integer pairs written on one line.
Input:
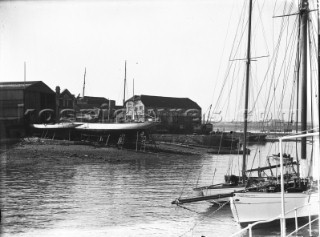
{"points": [[18, 97]]}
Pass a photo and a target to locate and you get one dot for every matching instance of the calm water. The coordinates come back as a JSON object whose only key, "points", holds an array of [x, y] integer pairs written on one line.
{"points": [[132, 198]]}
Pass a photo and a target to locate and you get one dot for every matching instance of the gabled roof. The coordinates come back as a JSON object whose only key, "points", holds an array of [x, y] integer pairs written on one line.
{"points": [[166, 102], [66, 91], [26, 85]]}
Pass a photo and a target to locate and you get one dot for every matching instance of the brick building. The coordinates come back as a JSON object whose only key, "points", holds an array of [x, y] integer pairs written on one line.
{"points": [[95, 108], [176, 115]]}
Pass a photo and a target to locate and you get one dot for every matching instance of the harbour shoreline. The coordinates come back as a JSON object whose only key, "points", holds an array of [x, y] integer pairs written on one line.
{"points": [[35, 147], [32, 150]]}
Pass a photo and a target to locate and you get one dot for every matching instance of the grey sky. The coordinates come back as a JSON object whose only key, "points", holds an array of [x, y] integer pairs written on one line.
{"points": [[173, 48]]}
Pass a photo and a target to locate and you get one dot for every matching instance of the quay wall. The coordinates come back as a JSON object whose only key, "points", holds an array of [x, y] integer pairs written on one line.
{"points": [[196, 140]]}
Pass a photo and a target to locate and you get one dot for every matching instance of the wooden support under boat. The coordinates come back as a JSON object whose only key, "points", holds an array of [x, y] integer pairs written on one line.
{"points": [[107, 140]]}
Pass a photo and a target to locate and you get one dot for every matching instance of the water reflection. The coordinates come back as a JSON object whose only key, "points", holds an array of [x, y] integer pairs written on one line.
{"points": [[100, 197]]}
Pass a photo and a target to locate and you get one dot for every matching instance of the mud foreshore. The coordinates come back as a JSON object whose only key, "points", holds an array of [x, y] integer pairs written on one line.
{"points": [[32, 150]]}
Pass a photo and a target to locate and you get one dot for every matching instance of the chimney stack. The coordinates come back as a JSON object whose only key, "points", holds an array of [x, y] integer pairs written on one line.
{"points": [[57, 103]]}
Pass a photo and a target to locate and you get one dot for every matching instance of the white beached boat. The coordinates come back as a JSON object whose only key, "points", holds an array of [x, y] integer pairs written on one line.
{"points": [[113, 127], [55, 126]]}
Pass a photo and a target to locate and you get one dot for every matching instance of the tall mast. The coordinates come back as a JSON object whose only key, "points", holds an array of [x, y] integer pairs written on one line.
{"points": [[25, 74], [304, 11], [133, 115], [318, 54], [133, 87], [84, 81], [125, 81], [244, 165]]}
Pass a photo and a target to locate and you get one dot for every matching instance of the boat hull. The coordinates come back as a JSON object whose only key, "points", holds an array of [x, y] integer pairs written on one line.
{"points": [[257, 206], [113, 127], [55, 126]]}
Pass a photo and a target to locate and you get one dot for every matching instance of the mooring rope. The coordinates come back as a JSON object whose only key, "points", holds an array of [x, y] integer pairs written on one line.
{"points": [[202, 218], [184, 185], [179, 205]]}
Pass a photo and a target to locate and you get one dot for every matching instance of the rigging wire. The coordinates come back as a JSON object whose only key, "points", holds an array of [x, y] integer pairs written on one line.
{"points": [[311, 82], [313, 43], [223, 50], [231, 88], [285, 69], [263, 28], [286, 76], [274, 58], [230, 55], [276, 80]]}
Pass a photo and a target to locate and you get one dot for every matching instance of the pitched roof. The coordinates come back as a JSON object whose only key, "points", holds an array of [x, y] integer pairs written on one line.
{"points": [[95, 100], [16, 84], [66, 91], [166, 102], [26, 85]]}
